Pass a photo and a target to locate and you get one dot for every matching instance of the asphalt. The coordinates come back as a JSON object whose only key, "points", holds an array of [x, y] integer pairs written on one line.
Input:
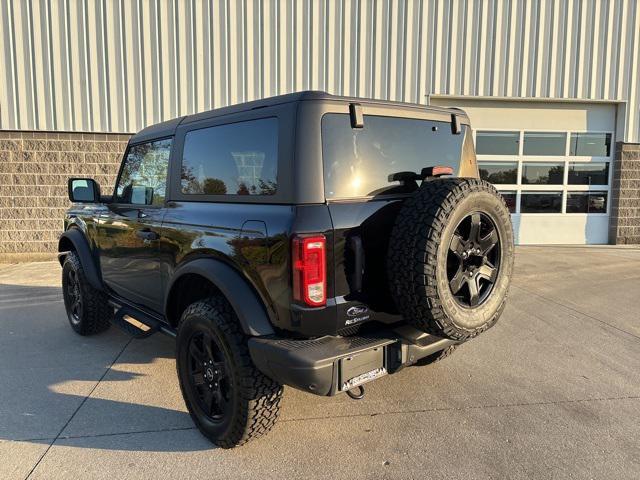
{"points": [[553, 391]]}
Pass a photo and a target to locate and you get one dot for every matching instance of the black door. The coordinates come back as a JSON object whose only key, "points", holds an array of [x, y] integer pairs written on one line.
{"points": [[129, 231]]}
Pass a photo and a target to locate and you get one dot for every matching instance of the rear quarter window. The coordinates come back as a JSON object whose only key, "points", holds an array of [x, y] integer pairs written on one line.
{"points": [[233, 159], [358, 162]]}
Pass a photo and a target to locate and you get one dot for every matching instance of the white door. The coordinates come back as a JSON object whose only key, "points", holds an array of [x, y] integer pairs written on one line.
{"points": [[551, 161]]}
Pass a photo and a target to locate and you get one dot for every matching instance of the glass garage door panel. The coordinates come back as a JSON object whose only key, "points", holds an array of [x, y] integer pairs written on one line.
{"points": [[555, 184], [541, 202], [499, 172], [542, 173], [589, 173], [587, 202], [590, 144], [497, 143], [544, 143]]}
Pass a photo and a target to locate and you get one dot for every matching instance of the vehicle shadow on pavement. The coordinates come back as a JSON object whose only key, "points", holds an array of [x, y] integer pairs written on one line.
{"points": [[59, 385]]}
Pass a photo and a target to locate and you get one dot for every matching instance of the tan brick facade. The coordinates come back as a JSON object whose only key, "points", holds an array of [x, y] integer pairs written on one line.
{"points": [[624, 227], [34, 168]]}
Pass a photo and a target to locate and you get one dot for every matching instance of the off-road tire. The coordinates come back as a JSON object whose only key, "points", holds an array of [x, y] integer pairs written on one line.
{"points": [[255, 403], [438, 356], [419, 249], [95, 313]]}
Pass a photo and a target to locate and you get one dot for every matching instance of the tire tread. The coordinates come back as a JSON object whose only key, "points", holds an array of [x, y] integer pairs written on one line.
{"points": [[259, 394], [97, 313], [413, 250]]}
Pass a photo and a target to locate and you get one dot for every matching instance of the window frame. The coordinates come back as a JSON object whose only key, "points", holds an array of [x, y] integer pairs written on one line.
{"points": [[565, 159], [140, 206], [285, 146]]}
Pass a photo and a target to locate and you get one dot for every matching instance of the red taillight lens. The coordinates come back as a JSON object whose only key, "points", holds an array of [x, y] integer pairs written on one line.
{"points": [[309, 270]]}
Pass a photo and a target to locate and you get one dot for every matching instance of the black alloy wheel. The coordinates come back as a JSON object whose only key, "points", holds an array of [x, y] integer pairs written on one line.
{"points": [[228, 398], [209, 380], [450, 257], [473, 260], [73, 296], [88, 309]]}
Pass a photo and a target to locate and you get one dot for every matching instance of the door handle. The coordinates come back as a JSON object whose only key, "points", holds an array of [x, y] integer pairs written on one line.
{"points": [[147, 235]]}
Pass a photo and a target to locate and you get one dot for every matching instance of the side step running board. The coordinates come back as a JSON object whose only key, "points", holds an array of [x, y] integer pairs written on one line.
{"points": [[135, 323]]}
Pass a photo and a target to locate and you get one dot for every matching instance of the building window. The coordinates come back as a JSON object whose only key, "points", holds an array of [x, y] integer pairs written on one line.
{"points": [[499, 172], [233, 159], [497, 143], [545, 143], [541, 202], [542, 173], [588, 173], [587, 202], [510, 197], [590, 144]]}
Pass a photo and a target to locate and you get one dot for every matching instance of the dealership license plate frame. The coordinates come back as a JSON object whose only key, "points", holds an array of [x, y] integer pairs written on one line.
{"points": [[362, 367]]}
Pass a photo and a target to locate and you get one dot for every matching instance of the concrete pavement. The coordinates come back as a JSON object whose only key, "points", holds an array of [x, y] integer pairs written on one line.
{"points": [[553, 391]]}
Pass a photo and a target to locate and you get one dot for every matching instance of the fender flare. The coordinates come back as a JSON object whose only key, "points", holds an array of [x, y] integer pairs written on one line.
{"points": [[81, 246], [243, 298]]}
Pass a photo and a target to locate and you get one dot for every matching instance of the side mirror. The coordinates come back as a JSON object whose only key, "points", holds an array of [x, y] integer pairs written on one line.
{"points": [[83, 190]]}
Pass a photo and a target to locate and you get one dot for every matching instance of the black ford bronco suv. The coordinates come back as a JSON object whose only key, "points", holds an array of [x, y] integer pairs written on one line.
{"points": [[307, 240]]}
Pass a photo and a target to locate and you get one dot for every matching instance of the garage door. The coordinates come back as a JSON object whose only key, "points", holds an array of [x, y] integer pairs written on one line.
{"points": [[553, 164]]}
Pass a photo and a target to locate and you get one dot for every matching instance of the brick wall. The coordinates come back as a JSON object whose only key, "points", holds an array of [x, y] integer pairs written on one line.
{"points": [[624, 227], [34, 168]]}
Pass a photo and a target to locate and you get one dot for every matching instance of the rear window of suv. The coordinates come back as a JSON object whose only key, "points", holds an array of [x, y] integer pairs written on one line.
{"points": [[358, 161]]}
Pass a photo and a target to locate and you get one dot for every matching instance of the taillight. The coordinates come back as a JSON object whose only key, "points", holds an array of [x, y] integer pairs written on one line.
{"points": [[309, 270]]}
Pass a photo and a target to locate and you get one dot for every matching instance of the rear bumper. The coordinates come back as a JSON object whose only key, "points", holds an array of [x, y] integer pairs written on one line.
{"points": [[329, 365]]}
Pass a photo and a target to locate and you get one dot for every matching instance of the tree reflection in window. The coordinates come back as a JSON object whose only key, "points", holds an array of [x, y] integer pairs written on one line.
{"points": [[144, 175], [232, 159]]}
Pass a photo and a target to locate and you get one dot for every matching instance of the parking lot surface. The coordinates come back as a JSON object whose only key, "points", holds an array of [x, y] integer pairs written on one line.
{"points": [[553, 391]]}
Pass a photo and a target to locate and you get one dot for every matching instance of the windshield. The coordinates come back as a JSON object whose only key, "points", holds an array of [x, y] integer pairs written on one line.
{"points": [[358, 162]]}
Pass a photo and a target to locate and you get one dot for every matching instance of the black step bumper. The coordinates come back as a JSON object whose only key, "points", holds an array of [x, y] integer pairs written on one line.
{"points": [[330, 365]]}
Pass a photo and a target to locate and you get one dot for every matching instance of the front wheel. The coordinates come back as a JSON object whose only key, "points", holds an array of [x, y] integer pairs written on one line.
{"points": [[88, 308], [228, 398]]}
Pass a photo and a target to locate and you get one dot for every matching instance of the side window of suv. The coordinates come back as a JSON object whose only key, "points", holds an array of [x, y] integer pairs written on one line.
{"points": [[234, 159], [143, 180]]}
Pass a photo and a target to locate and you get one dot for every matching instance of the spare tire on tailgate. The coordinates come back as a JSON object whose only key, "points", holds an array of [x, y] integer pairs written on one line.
{"points": [[451, 256]]}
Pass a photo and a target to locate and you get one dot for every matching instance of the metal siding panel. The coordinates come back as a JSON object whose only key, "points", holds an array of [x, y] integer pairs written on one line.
{"points": [[119, 65], [5, 76], [633, 105]]}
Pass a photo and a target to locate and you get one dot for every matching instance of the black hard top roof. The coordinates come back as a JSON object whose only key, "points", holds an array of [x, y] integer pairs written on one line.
{"points": [[165, 129]]}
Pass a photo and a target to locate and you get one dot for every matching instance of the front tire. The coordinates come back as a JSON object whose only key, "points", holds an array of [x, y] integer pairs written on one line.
{"points": [[88, 308], [229, 399]]}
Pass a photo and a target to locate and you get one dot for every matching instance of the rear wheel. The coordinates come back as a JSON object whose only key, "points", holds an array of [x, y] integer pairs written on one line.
{"points": [[228, 398], [88, 309], [451, 257]]}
